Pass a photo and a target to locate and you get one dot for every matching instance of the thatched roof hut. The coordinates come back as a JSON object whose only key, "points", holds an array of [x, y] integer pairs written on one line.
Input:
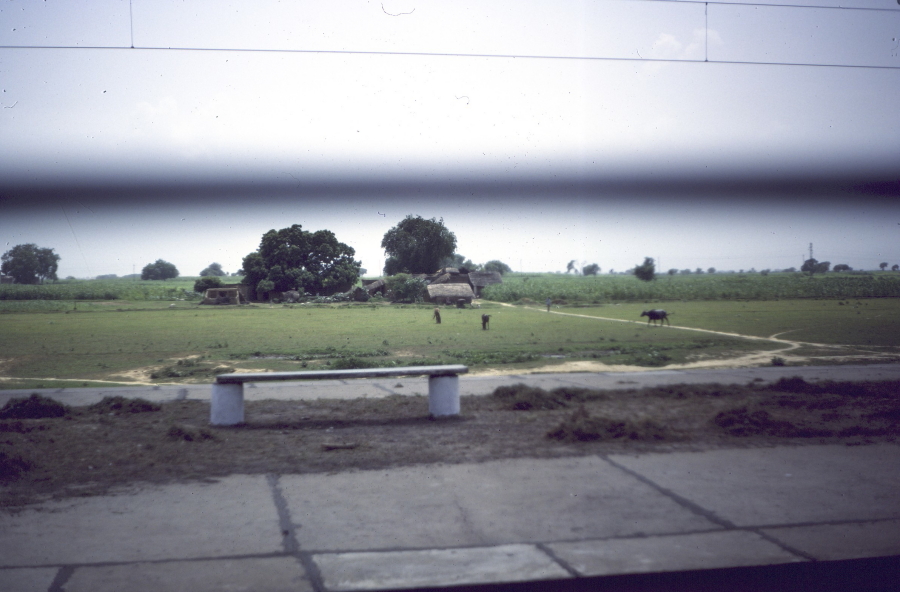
{"points": [[480, 279], [450, 293]]}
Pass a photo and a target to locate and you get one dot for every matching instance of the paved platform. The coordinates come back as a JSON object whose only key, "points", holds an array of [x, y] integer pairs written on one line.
{"points": [[560, 520], [757, 519]]}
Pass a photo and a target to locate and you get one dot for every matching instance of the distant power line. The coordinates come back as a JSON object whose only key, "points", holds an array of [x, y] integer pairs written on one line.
{"points": [[771, 4]]}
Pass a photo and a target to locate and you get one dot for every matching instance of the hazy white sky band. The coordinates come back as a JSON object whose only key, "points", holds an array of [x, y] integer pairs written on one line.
{"points": [[257, 125]]}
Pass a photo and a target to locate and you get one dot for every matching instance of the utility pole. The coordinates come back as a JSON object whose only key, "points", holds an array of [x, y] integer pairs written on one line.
{"points": [[810, 251]]}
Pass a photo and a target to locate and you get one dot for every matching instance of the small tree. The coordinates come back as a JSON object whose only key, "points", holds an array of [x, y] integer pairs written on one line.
{"points": [[405, 288], [161, 270], [213, 269], [842, 267], [571, 267], [672, 271], [30, 264], [883, 265], [698, 271], [686, 272], [498, 266], [895, 267], [205, 283], [646, 271], [592, 269], [711, 270]]}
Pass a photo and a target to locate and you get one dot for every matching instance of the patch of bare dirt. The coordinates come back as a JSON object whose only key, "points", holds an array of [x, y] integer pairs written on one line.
{"points": [[116, 443]]}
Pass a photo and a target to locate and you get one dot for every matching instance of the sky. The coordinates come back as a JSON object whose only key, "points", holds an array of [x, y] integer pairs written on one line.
{"points": [[726, 134]]}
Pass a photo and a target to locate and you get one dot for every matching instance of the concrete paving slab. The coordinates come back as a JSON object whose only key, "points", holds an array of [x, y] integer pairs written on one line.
{"points": [[439, 567], [37, 579], [410, 507], [537, 500], [708, 550], [235, 516], [842, 541], [270, 574], [780, 486], [509, 501]]}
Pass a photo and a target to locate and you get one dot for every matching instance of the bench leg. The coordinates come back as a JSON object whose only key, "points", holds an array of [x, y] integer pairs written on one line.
{"points": [[227, 406], [443, 395]]}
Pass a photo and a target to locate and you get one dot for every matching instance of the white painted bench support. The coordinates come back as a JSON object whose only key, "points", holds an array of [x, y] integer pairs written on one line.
{"points": [[227, 406], [443, 395]]}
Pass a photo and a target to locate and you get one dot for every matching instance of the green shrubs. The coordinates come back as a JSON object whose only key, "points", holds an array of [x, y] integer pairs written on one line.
{"points": [[34, 407], [207, 282]]}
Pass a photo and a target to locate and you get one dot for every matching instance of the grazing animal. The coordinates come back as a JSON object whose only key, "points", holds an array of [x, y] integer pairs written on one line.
{"points": [[656, 315], [437, 316], [485, 321], [291, 296]]}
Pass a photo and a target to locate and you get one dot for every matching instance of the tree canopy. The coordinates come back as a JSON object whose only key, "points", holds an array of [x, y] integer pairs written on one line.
{"points": [[592, 269], [295, 259], [647, 270], [214, 269], [417, 245], [498, 266], [812, 266], [460, 262], [161, 270], [30, 264]]}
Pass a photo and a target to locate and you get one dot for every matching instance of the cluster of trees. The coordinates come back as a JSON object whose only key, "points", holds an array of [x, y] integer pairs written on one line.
{"points": [[589, 269], [316, 262]]}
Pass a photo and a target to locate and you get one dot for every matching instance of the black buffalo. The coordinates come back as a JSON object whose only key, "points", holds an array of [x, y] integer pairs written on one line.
{"points": [[656, 315]]}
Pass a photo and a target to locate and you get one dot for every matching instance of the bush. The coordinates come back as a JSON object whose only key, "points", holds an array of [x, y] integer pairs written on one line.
{"points": [[207, 282], [34, 407], [405, 288]]}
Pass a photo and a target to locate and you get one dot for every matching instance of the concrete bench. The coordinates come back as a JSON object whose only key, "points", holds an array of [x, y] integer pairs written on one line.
{"points": [[443, 387]]}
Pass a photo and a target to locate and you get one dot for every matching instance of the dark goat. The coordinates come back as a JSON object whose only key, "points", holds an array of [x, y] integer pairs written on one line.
{"points": [[485, 321], [656, 315]]}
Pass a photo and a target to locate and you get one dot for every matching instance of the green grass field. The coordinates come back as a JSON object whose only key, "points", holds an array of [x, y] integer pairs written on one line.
{"points": [[190, 343], [102, 345], [125, 330], [872, 321], [603, 289]]}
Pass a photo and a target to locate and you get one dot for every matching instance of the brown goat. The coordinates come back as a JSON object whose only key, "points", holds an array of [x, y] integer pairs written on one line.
{"points": [[485, 321], [437, 316]]}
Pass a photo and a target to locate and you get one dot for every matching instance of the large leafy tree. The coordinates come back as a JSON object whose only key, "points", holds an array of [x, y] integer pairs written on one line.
{"points": [[30, 264], [417, 245], [161, 270], [295, 259]]}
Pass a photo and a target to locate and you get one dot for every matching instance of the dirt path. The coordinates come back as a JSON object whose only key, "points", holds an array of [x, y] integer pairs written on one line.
{"points": [[756, 358]]}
